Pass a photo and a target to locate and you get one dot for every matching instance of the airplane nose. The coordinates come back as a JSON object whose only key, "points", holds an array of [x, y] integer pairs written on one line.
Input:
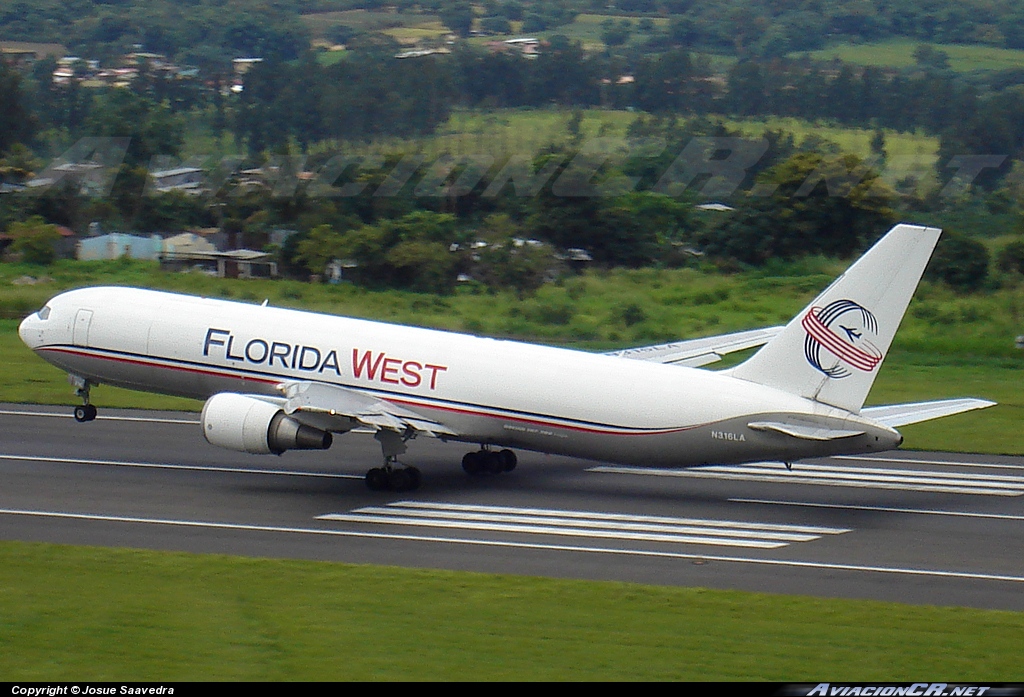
{"points": [[29, 332]]}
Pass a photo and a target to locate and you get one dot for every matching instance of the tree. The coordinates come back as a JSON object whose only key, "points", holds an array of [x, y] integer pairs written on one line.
{"points": [[16, 122], [959, 261], [878, 144], [508, 261], [409, 252], [34, 240], [807, 204], [319, 248], [153, 129], [458, 16], [496, 25], [1011, 257], [616, 33]]}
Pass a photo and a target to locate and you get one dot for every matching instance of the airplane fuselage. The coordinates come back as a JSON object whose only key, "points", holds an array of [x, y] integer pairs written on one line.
{"points": [[489, 391]]}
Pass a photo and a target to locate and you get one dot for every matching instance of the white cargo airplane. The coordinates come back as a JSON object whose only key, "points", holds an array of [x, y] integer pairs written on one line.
{"points": [[276, 379]]}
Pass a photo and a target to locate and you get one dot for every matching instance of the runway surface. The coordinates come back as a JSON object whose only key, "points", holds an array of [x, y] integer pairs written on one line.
{"points": [[916, 527]]}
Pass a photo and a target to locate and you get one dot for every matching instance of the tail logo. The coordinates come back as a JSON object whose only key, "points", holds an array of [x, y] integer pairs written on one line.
{"points": [[842, 329]]}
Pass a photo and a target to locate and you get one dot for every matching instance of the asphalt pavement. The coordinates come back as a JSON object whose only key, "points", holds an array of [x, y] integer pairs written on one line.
{"points": [[915, 527]]}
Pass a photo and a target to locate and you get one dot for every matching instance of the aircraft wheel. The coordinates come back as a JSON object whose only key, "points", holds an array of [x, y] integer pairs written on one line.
{"points": [[84, 413], [508, 460], [472, 462], [494, 463], [401, 480], [377, 479], [416, 477]]}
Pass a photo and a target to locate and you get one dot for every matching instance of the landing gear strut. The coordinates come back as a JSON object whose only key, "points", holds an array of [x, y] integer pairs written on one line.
{"points": [[393, 476], [85, 412], [489, 462]]}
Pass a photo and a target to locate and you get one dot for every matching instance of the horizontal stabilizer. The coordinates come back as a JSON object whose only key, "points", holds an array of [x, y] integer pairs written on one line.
{"points": [[804, 432], [895, 415], [697, 352]]}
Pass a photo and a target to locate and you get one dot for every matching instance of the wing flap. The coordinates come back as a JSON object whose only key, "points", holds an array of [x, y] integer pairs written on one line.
{"points": [[697, 352], [346, 409], [894, 415]]}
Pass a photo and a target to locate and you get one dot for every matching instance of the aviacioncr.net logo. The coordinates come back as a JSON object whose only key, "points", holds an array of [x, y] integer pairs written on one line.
{"points": [[842, 329]]}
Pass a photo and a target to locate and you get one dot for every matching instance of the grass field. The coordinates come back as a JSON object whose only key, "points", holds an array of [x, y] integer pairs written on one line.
{"points": [[502, 133], [899, 53], [321, 23], [587, 30], [80, 613]]}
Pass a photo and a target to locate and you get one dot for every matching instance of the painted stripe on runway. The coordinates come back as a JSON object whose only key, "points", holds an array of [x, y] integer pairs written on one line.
{"points": [[885, 509], [583, 524], [817, 530], [860, 477], [909, 461], [508, 544], [163, 466], [101, 417]]}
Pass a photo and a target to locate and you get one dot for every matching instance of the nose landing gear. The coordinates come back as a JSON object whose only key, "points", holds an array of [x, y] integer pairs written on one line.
{"points": [[85, 412]]}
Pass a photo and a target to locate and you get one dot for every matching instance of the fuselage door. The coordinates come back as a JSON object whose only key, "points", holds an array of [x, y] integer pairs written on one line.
{"points": [[82, 321]]}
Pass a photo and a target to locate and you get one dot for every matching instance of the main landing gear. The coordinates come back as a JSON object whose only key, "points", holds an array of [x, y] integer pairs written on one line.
{"points": [[488, 461], [85, 412], [393, 476]]}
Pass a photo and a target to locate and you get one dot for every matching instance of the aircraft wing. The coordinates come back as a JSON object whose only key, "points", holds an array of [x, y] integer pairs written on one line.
{"points": [[339, 409], [902, 414], [697, 352]]}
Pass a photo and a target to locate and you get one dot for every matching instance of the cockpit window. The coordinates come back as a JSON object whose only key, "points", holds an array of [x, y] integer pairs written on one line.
{"points": [[44, 313]]}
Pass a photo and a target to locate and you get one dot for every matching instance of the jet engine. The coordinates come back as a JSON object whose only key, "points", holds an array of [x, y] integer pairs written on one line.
{"points": [[250, 425]]}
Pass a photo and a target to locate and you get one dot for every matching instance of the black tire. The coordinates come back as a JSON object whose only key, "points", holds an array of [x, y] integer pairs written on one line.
{"points": [[508, 460], [401, 480], [417, 478], [472, 462], [377, 479], [84, 413], [494, 463]]}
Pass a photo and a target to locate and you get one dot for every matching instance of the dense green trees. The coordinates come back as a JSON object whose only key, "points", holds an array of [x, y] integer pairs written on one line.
{"points": [[807, 204], [16, 122], [959, 261], [633, 209], [358, 99], [34, 240]]}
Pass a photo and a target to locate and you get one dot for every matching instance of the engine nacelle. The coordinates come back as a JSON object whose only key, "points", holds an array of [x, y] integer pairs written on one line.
{"points": [[249, 425]]}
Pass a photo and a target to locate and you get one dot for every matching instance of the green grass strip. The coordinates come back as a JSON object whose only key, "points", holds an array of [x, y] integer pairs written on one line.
{"points": [[82, 613]]}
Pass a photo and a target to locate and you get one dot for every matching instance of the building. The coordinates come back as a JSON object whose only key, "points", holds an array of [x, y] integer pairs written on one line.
{"points": [[187, 179], [240, 263], [22, 54], [118, 244]]}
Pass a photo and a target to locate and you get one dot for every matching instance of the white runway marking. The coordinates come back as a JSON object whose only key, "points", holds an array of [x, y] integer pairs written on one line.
{"points": [[831, 475], [793, 563], [886, 509], [542, 521], [163, 466], [910, 461], [101, 417]]}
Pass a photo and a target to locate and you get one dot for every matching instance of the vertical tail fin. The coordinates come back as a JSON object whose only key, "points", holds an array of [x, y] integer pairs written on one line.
{"points": [[832, 350]]}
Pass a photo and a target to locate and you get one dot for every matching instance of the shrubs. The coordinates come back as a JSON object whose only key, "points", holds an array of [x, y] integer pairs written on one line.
{"points": [[959, 261]]}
